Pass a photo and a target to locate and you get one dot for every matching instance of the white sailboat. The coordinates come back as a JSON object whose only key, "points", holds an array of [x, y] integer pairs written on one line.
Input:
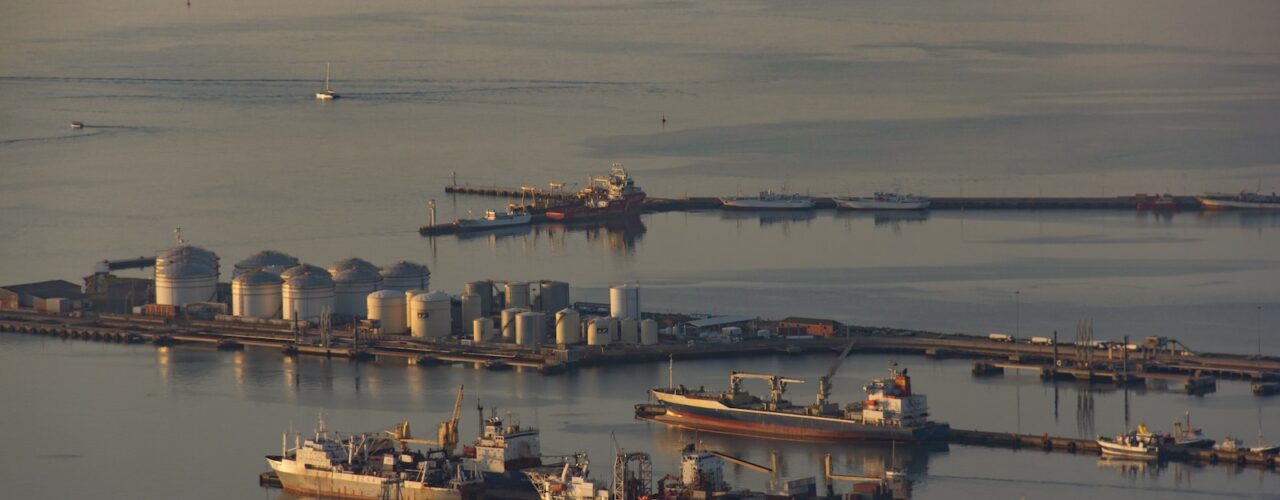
{"points": [[327, 94]]}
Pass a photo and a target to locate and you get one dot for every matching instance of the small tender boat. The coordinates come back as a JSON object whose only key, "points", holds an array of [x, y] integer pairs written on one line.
{"points": [[1229, 444], [1158, 202], [883, 201], [77, 125], [1133, 444], [327, 94]]}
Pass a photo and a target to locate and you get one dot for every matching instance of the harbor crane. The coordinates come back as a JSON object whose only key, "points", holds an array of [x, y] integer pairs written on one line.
{"points": [[446, 433], [824, 382]]}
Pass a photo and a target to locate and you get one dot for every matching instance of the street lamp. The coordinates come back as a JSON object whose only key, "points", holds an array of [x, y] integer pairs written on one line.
{"points": [[1017, 314]]}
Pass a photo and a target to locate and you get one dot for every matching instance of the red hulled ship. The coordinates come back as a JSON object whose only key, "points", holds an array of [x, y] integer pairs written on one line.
{"points": [[610, 196]]}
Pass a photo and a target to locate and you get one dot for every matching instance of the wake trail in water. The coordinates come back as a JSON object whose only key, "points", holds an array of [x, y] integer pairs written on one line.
{"points": [[1071, 484]]}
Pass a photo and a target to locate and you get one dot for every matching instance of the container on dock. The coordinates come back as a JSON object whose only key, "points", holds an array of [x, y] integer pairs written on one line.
{"points": [[388, 308], [530, 329], [624, 301], [160, 310], [552, 296], [648, 332], [508, 324], [432, 315], [568, 327], [481, 331], [517, 294], [600, 330], [628, 331], [256, 294], [484, 290]]}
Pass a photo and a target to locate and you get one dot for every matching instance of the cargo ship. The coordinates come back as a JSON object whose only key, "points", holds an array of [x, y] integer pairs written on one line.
{"points": [[769, 200], [891, 411], [883, 201], [611, 196], [1244, 200], [504, 449]]}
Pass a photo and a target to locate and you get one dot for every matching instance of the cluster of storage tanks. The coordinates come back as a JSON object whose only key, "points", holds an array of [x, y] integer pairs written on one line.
{"points": [[275, 285]]}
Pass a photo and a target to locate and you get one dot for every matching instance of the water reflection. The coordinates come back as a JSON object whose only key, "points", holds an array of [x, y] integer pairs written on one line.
{"points": [[618, 235]]}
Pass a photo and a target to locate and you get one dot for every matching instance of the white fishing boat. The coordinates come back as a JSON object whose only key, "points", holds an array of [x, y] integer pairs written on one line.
{"points": [[77, 125], [568, 482], [769, 200], [494, 220], [883, 201], [1141, 443], [1242, 200], [327, 94]]}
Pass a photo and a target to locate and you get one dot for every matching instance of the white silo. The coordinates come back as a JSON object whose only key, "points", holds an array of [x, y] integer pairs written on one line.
{"points": [[624, 301], [552, 296], [628, 331], [352, 263], [530, 329], [648, 332], [301, 269], [432, 315], [256, 294], [517, 294], [408, 300], [388, 308], [508, 325], [568, 327], [183, 282], [404, 276], [187, 253], [307, 295], [480, 333], [267, 260], [483, 289], [352, 287], [600, 330], [470, 308]]}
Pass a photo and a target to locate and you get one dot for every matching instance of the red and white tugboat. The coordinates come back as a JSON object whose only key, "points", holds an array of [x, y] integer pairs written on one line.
{"points": [[610, 196]]}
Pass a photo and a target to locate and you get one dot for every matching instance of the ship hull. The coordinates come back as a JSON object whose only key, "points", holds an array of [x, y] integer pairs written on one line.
{"points": [[293, 477], [483, 224], [1212, 203], [1113, 449], [870, 204], [714, 417], [627, 205], [754, 204]]}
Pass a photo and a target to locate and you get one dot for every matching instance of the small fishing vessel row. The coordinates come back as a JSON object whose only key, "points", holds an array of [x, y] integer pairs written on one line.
{"points": [[1144, 444], [772, 200]]}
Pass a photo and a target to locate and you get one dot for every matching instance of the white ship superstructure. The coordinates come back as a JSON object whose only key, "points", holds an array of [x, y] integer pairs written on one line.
{"points": [[505, 447], [883, 201], [769, 200]]}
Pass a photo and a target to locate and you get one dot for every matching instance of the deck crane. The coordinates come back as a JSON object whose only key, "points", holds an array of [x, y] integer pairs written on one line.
{"points": [[446, 434], [824, 382], [777, 384]]}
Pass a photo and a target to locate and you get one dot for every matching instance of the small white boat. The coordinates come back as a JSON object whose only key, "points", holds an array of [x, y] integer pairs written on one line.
{"points": [[1229, 444], [494, 220], [769, 200], [1134, 444], [883, 201], [77, 125], [327, 94]]}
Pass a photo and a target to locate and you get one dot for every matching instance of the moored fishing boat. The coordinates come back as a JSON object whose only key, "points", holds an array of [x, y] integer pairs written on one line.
{"points": [[1243, 199], [769, 200], [1141, 443], [493, 220], [883, 201]]}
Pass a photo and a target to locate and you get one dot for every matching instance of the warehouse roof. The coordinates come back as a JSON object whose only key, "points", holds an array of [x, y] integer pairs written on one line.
{"points": [[48, 289], [718, 321]]}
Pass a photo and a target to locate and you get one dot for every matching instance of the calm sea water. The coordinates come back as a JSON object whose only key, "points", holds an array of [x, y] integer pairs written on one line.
{"points": [[202, 117]]}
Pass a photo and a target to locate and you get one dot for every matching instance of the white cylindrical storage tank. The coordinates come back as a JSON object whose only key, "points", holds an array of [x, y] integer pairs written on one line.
{"points": [[353, 263], [301, 269], [432, 315], [648, 332], [388, 307], [624, 301], [480, 330], [517, 294], [530, 329], [552, 296], [187, 253], [568, 327], [256, 294], [600, 330], [404, 276], [408, 300], [352, 287], [629, 331], [183, 282], [470, 308], [508, 325], [484, 290], [267, 260], [307, 295]]}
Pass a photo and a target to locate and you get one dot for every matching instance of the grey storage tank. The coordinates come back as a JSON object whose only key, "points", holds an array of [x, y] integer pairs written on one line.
{"points": [[530, 329], [553, 296], [484, 290]]}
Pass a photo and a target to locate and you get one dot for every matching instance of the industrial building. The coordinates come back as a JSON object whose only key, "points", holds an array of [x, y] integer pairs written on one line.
{"points": [[796, 325], [51, 296]]}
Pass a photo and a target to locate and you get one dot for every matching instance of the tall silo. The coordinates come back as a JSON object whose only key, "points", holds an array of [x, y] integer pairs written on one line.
{"points": [[270, 261], [182, 282], [308, 294], [256, 293], [480, 333], [352, 287], [624, 301], [471, 305], [530, 329], [517, 293], [388, 307], [483, 289], [508, 323], [404, 276], [568, 327], [552, 296]]}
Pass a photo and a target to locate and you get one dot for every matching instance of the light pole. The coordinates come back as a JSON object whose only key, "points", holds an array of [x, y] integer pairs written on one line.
{"points": [[1259, 330], [1017, 314]]}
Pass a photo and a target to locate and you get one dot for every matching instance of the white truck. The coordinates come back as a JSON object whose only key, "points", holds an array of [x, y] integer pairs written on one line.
{"points": [[999, 337]]}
